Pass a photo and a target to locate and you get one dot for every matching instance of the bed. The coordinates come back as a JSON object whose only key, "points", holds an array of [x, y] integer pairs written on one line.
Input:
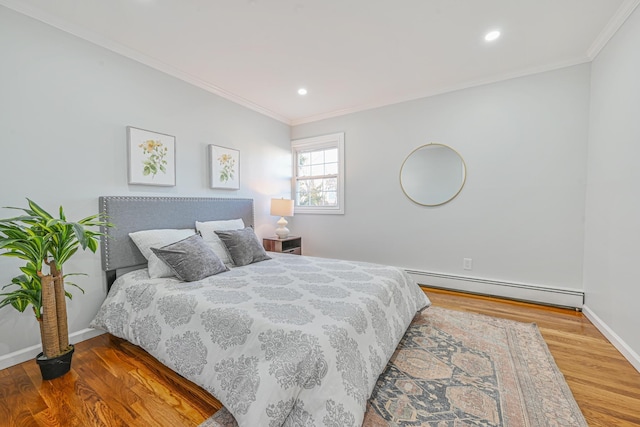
{"points": [[289, 340]]}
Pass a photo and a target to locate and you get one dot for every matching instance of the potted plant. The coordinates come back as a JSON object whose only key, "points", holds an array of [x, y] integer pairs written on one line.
{"points": [[46, 243]]}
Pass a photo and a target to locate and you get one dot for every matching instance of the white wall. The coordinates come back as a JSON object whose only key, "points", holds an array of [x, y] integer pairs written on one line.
{"points": [[64, 108], [520, 214], [612, 240]]}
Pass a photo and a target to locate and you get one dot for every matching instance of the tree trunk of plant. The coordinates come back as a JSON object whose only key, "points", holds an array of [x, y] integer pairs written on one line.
{"points": [[49, 323], [61, 306]]}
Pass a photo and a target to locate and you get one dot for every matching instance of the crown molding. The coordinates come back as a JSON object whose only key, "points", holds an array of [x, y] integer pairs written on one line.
{"points": [[137, 56], [419, 95], [612, 27], [614, 24]]}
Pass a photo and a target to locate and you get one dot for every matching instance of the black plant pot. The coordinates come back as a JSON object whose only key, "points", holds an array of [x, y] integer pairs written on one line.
{"points": [[56, 366]]}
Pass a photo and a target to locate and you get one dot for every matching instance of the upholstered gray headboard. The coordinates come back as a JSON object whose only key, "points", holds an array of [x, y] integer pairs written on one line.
{"points": [[129, 214]]}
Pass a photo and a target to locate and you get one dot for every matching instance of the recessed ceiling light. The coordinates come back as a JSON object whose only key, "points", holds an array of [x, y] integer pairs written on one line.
{"points": [[492, 35], [302, 91]]}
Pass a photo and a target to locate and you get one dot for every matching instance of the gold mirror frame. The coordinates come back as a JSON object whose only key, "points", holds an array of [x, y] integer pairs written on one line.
{"points": [[412, 180]]}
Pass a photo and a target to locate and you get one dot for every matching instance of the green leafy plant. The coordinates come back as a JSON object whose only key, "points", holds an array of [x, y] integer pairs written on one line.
{"points": [[45, 243]]}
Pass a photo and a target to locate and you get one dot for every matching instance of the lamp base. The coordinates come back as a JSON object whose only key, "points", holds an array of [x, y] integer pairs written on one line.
{"points": [[282, 231]]}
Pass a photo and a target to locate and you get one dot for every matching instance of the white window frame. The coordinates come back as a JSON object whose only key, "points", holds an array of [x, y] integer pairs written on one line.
{"points": [[334, 140]]}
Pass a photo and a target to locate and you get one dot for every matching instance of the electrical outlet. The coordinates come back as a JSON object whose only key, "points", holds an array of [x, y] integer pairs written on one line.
{"points": [[467, 263]]}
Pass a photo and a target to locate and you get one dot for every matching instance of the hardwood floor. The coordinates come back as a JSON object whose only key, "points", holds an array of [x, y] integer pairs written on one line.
{"points": [[114, 383], [111, 383]]}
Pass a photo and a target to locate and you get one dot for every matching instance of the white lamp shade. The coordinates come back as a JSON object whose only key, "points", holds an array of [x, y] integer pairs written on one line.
{"points": [[281, 207]]}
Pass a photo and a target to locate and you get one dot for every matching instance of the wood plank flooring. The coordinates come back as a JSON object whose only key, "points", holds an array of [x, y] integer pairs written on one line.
{"points": [[114, 383]]}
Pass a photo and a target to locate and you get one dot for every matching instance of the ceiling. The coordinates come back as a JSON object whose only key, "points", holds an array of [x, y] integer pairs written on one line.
{"points": [[350, 55]]}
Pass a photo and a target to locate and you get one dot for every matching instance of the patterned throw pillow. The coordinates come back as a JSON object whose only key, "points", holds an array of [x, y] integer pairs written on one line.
{"points": [[191, 259], [243, 246]]}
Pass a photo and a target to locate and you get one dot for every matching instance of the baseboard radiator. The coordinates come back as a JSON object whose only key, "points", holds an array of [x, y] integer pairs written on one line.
{"points": [[561, 297]]}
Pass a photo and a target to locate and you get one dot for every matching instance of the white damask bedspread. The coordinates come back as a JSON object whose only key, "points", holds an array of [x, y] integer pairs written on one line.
{"points": [[296, 341]]}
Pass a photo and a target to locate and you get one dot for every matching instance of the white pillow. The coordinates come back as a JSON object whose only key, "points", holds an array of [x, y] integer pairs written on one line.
{"points": [[146, 239], [207, 231]]}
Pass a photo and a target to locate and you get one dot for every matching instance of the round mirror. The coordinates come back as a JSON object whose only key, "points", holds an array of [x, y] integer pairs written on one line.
{"points": [[433, 174]]}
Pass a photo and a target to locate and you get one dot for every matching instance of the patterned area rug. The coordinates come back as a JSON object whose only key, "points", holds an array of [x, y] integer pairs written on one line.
{"points": [[455, 369]]}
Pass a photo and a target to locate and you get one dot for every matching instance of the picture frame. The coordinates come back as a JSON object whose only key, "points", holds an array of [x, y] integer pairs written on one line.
{"points": [[151, 157], [224, 168]]}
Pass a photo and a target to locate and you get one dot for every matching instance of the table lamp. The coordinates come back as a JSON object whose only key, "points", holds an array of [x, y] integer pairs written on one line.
{"points": [[282, 208]]}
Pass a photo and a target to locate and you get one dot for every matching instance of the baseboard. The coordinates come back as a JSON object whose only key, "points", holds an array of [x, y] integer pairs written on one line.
{"points": [[30, 353], [561, 297], [613, 338]]}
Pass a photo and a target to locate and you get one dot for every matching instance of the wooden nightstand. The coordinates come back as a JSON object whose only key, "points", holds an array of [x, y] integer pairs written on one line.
{"points": [[290, 245]]}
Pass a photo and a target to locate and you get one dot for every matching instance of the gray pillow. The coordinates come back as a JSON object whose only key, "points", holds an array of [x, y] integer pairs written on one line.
{"points": [[191, 259], [243, 246]]}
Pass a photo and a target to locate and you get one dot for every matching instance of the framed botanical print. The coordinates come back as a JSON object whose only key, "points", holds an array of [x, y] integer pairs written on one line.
{"points": [[152, 157], [224, 165]]}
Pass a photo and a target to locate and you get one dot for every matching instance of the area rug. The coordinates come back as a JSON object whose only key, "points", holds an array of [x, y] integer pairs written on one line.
{"points": [[455, 369]]}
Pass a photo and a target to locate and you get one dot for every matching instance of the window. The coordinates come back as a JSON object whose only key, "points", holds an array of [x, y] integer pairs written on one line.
{"points": [[318, 174]]}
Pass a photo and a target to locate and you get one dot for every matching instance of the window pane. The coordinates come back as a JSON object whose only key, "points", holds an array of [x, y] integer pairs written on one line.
{"points": [[303, 159], [302, 193], [304, 170], [331, 184], [317, 170], [317, 157], [331, 169], [331, 198], [331, 155]]}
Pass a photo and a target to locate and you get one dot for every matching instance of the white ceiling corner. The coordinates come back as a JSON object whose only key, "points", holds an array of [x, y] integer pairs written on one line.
{"points": [[616, 21]]}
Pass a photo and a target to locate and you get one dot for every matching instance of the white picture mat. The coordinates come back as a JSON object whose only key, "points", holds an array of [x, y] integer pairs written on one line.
{"points": [[136, 140], [224, 166]]}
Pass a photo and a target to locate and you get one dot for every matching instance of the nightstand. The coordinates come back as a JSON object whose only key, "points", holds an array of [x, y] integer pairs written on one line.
{"points": [[289, 245]]}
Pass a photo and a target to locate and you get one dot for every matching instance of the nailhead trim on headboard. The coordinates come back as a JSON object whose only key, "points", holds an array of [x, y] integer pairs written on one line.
{"points": [[143, 213]]}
